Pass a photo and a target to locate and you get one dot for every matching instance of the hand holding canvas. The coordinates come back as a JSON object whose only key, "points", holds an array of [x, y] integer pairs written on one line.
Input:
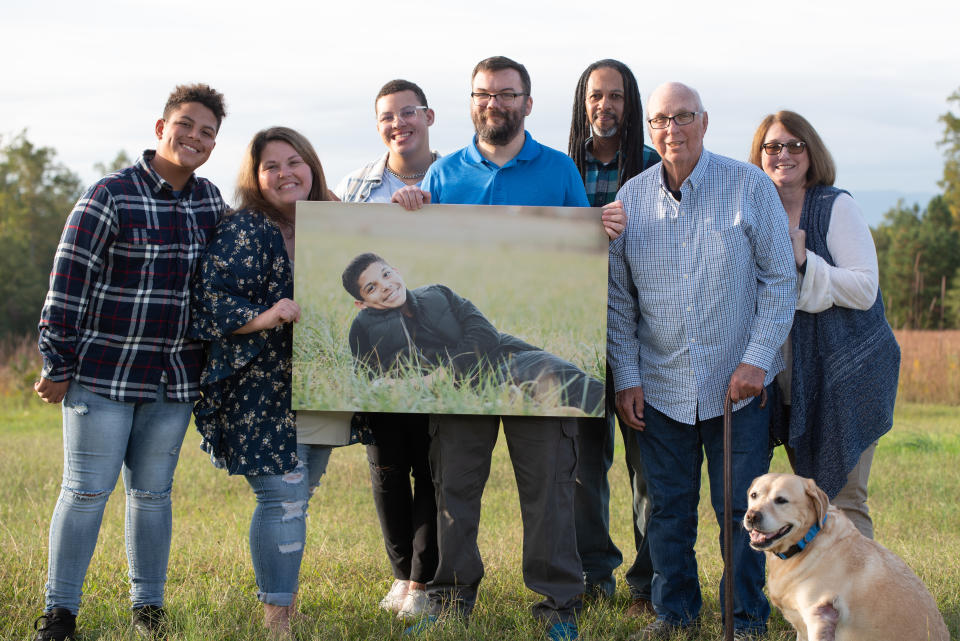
{"points": [[614, 219], [411, 197]]}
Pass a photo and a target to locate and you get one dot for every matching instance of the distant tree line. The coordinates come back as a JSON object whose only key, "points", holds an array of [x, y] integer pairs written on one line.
{"points": [[36, 194], [918, 249]]}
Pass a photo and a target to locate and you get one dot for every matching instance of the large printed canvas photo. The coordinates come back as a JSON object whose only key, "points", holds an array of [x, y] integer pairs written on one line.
{"points": [[454, 309]]}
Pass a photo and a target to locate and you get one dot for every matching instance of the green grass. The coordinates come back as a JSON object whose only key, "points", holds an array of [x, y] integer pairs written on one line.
{"points": [[914, 490]]}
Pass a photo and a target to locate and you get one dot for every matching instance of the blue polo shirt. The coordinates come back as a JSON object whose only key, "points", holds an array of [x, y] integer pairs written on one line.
{"points": [[538, 176]]}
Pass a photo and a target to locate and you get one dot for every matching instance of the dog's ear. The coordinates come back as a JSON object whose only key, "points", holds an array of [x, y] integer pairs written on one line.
{"points": [[819, 499]]}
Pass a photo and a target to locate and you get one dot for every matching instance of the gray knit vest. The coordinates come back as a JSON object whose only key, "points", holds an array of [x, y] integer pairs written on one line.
{"points": [[846, 363]]}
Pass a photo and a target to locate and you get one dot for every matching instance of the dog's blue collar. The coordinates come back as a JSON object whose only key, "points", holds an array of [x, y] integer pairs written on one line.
{"points": [[797, 548]]}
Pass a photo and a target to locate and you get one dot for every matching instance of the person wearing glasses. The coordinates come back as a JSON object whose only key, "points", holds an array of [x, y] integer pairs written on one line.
{"points": [[701, 297], [403, 119], [504, 165], [830, 429], [606, 144], [407, 512]]}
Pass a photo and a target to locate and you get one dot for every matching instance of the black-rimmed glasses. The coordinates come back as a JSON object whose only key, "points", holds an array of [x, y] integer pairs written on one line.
{"points": [[505, 98], [662, 122]]}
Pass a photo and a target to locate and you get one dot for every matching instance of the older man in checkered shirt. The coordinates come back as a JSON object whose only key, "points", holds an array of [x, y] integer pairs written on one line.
{"points": [[701, 297]]}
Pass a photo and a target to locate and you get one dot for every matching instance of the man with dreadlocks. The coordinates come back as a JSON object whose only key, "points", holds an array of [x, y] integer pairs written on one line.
{"points": [[606, 144], [606, 131]]}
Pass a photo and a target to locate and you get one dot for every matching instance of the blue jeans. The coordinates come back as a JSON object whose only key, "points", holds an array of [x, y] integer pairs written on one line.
{"points": [[278, 529], [672, 456], [101, 439]]}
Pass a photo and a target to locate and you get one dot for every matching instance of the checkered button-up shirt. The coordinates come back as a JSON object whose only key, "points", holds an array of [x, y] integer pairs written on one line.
{"points": [[699, 285], [115, 317]]}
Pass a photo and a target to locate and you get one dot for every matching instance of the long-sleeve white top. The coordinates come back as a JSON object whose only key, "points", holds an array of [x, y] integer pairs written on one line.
{"points": [[854, 281]]}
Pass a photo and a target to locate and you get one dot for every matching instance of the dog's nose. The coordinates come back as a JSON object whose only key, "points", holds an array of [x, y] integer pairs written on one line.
{"points": [[753, 518]]}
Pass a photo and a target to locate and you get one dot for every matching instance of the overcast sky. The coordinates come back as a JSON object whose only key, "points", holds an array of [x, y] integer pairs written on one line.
{"points": [[90, 78]]}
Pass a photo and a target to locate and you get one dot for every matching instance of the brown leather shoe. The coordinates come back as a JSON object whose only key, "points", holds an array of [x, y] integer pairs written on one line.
{"points": [[639, 608]]}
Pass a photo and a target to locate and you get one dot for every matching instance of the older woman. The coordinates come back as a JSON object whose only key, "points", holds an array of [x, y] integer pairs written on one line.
{"points": [[841, 385], [242, 304]]}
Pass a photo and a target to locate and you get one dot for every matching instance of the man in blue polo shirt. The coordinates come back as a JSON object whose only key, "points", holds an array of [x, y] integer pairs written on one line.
{"points": [[504, 165]]}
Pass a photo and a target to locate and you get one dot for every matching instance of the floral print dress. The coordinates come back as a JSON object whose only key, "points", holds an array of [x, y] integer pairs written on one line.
{"points": [[244, 416]]}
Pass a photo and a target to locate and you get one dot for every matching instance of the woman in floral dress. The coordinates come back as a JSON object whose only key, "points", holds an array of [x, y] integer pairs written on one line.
{"points": [[243, 306]]}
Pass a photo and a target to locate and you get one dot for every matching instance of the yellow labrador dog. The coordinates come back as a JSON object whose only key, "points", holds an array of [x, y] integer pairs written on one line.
{"points": [[831, 582]]}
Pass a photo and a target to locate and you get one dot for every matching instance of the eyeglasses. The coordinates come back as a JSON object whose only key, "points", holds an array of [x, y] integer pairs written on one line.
{"points": [[505, 98], [404, 115], [774, 148], [662, 122]]}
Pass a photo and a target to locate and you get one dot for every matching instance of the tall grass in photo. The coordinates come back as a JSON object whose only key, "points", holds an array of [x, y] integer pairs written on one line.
{"points": [[549, 291]]}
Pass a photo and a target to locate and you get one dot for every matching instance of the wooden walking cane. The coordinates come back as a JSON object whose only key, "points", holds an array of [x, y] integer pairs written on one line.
{"points": [[729, 524]]}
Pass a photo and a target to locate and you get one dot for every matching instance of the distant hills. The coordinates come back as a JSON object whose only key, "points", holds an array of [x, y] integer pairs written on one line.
{"points": [[875, 203]]}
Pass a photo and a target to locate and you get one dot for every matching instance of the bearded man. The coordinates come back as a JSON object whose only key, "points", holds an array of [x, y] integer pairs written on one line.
{"points": [[504, 165]]}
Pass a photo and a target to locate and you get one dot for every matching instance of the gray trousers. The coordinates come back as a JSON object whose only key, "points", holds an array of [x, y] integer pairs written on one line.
{"points": [[852, 498], [544, 456]]}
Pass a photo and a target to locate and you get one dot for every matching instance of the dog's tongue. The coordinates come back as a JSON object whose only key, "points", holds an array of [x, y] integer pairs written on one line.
{"points": [[756, 536]]}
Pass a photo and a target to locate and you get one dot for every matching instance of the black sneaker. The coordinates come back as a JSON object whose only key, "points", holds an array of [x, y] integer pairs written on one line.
{"points": [[59, 624], [149, 622]]}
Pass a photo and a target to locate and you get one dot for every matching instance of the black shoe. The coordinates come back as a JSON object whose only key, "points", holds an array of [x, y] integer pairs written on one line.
{"points": [[600, 591], [59, 624], [149, 622]]}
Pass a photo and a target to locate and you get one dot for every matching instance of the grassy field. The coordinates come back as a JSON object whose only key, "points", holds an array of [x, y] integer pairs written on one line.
{"points": [[914, 491]]}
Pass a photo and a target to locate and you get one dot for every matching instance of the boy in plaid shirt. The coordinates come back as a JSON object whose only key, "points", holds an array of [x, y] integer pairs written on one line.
{"points": [[115, 353]]}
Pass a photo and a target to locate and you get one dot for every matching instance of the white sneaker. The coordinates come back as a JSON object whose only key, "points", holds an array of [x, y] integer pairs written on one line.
{"points": [[415, 605], [394, 599]]}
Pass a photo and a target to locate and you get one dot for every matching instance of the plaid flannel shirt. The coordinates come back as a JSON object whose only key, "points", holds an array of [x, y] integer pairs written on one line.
{"points": [[115, 317], [602, 180]]}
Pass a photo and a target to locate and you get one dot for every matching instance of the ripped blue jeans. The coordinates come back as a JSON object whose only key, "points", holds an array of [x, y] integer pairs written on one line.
{"points": [[103, 438], [278, 529]]}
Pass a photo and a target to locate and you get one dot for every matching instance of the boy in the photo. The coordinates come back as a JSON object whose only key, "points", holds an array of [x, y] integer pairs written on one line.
{"points": [[431, 330]]}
